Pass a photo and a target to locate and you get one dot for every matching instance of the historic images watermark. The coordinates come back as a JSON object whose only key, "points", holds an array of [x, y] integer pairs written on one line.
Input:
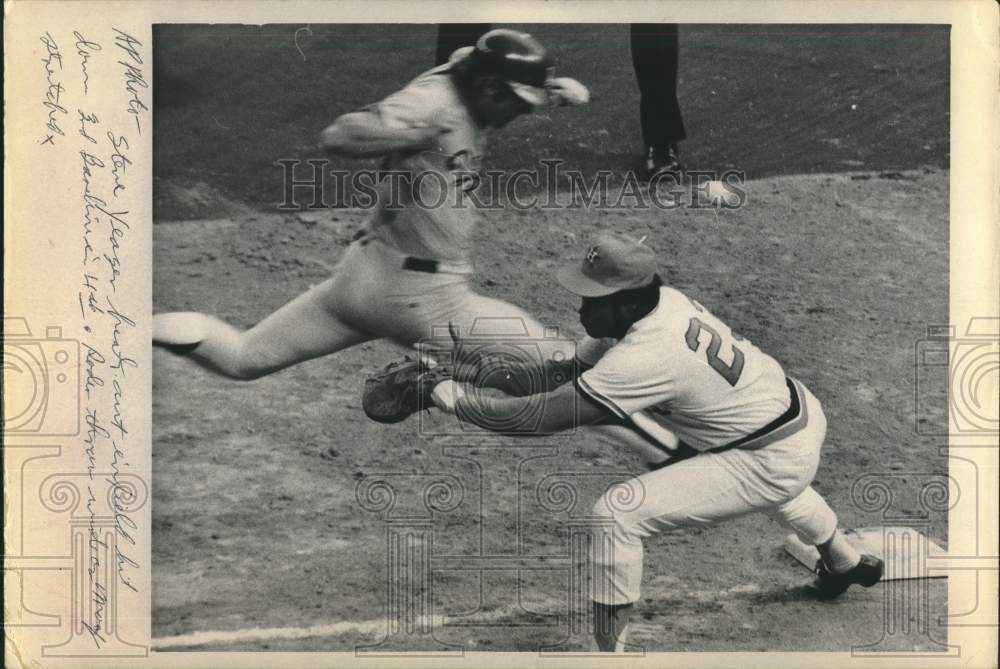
{"points": [[44, 372], [312, 184], [907, 503], [537, 595], [465, 552], [956, 371], [954, 375], [80, 524], [501, 353]]}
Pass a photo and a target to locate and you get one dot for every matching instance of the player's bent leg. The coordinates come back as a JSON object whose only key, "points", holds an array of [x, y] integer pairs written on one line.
{"points": [[655, 454], [841, 564], [303, 329], [617, 555], [699, 491], [808, 515], [180, 331], [703, 490], [611, 626], [516, 332], [482, 317]]}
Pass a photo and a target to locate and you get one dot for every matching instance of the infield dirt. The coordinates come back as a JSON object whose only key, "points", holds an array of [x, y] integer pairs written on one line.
{"points": [[836, 266], [257, 523]]}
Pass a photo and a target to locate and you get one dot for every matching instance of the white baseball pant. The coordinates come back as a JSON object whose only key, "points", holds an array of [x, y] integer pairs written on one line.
{"points": [[370, 296], [707, 489]]}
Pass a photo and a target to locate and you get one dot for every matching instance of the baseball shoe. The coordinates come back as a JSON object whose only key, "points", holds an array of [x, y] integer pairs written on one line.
{"points": [[662, 159], [867, 573], [179, 332]]}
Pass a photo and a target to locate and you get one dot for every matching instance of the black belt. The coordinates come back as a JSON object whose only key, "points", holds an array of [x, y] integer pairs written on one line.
{"points": [[793, 411], [409, 262], [684, 452], [421, 265]]}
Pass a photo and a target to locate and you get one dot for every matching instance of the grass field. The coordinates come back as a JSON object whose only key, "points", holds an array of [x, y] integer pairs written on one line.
{"points": [[231, 100], [836, 266]]}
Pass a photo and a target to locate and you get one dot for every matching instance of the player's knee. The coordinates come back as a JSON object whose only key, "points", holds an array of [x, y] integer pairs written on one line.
{"points": [[600, 509], [246, 373], [250, 368], [612, 521], [244, 366]]}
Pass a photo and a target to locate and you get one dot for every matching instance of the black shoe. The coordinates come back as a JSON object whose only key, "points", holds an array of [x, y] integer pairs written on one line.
{"points": [[661, 159], [177, 349], [867, 573]]}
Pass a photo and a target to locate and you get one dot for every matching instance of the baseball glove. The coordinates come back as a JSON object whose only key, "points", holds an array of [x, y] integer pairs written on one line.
{"points": [[401, 389]]}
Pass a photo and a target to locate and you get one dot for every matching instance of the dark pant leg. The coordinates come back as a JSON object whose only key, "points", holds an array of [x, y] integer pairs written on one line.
{"points": [[453, 36], [654, 56]]}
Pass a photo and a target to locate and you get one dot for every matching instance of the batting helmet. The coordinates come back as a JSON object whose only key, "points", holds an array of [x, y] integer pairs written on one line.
{"points": [[516, 58]]}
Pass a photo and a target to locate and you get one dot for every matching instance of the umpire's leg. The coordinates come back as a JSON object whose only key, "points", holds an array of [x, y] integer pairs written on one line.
{"points": [[655, 51], [452, 36]]}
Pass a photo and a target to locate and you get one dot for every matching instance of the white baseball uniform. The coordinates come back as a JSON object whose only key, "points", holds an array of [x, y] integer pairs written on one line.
{"points": [[406, 275], [373, 290], [443, 232], [682, 370]]}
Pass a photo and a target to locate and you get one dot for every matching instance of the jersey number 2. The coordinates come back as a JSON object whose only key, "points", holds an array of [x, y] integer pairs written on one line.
{"points": [[731, 373]]}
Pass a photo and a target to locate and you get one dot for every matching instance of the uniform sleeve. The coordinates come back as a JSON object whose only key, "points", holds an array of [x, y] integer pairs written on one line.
{"points": [[421, 104], [589, 350], [626, 380], [407, 108]]}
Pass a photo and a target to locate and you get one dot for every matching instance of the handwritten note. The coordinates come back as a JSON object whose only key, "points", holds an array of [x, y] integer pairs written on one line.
{"points": [[53, 64], [95, 96]]}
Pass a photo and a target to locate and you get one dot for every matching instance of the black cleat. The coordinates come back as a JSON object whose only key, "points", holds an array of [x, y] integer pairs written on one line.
{"points": [[867, 573], [177, 349], [662, 159]]}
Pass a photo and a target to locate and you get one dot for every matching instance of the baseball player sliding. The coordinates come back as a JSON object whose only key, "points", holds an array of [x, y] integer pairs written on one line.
{"points": [[659, 364], [410, 268]]}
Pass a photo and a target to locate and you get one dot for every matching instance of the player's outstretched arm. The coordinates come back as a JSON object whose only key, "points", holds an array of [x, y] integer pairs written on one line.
{"points": [[530, 416], [496, 367], [523, 378], [363, 135]]}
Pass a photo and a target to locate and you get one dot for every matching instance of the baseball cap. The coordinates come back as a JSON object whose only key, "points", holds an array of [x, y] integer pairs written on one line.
{"points": [[612, 263], [514, 57]]}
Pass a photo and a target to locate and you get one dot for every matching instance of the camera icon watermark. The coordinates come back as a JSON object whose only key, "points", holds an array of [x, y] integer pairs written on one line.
{"points": [[956, 380], [500, 357], [41, 381]]}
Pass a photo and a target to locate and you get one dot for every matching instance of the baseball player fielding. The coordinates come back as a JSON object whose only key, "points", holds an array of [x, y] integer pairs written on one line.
{"points": [[657, 362]]}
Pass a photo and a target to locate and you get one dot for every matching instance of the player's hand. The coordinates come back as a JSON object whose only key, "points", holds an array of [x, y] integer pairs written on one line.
{"points": [[567, 92], [451, 351], [446, 395], [469, 363]]}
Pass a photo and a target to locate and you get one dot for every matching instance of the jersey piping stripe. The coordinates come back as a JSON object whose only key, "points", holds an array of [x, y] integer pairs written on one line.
{"points": [[795, 419], [628, 422], [652, 431], [649, 437], [635, 429], [794, 423], [584, 387]]}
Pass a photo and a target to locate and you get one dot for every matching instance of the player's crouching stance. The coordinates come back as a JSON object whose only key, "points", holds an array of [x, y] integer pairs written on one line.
{"points": [[410, 268], [657, 361]]}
